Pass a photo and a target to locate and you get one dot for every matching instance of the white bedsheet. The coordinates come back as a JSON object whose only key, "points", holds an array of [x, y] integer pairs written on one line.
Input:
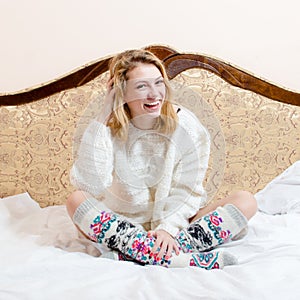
{"points": [[42, 257]]}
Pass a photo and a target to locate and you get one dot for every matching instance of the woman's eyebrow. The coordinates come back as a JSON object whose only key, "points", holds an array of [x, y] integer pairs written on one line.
{"points": [[140, 80], [146, 79]]}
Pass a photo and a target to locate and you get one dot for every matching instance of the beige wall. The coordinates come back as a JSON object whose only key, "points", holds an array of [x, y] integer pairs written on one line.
{"points": [[41, 40]]}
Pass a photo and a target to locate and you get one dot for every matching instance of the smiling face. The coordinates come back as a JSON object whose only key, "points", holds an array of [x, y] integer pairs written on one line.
{"points": [[142, 94], [145, 93]]}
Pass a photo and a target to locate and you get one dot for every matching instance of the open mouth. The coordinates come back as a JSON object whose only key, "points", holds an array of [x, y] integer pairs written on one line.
{"points": [[153, 105]]}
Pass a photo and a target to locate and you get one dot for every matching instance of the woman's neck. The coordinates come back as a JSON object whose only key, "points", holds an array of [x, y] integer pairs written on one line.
{"points": [[144, 123]]}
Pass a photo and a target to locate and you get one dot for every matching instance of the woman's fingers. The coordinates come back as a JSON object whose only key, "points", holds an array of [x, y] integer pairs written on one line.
{"points": [[108, 103], [157, 243], [176, 248], [164, 245], [169, 251], [110, 84], [163, 249]]}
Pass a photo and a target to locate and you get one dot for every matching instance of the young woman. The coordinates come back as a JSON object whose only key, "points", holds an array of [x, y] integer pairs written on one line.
{"points": [[139, 175]]}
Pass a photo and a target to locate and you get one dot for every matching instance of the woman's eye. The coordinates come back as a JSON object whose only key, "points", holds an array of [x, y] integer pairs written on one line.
{"points": [[141, 86], [159, 82]]}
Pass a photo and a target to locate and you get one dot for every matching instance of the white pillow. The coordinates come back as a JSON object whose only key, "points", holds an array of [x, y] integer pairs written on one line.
{"points": [[281, 195]]}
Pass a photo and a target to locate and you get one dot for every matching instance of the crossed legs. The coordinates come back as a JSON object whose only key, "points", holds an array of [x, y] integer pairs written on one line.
{"points": [[216, 223]]}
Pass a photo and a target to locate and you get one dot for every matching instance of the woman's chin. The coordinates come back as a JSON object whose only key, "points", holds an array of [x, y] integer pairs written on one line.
{"points": [[152, 112], [153, 115]]}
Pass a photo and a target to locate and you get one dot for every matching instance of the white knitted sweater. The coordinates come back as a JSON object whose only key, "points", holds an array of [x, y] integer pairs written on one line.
{"points": [[152, 179]]}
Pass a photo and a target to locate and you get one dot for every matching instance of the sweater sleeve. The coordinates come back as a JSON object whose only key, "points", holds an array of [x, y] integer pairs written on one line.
{"points": [[186, 195], [92, 170]]}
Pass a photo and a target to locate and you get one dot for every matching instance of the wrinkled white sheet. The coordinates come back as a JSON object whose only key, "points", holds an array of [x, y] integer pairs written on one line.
{"points": [[42, 257]]}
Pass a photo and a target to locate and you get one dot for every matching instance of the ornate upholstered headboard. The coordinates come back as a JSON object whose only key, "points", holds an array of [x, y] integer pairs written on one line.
{"points": [[254, 125]]}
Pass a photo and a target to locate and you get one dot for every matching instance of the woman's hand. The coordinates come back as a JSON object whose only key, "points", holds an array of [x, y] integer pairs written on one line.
{"points": [[165, 244], [108, 103]]}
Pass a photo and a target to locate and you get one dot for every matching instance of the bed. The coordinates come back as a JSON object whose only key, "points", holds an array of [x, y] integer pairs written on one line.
{"points": [[255, 131]]}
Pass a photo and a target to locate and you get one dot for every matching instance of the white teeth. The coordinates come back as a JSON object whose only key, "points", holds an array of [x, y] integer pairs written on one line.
{"points": [[153, 103]]}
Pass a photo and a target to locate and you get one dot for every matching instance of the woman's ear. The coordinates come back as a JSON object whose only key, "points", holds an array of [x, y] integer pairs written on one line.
{"points": [[110, 83]]}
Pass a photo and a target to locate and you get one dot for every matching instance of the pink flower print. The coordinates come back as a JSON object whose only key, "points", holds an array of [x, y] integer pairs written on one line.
{"points": [[96, 228], [143, 248], [224, 234], [192, 263], [136, 245], [155, 257], [215, 220], [105, 217], [216, 266]]}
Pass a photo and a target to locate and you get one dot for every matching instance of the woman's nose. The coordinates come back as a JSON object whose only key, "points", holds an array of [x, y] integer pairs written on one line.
{"points": [[153, 92]]}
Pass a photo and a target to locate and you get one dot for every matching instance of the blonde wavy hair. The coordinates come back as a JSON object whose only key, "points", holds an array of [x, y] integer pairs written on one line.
{"points": [[120, 117]]}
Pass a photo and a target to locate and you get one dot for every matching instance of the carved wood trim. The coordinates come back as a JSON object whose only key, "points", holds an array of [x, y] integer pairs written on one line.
{"points": [[75, 79], [239, 78], [175, 63]]}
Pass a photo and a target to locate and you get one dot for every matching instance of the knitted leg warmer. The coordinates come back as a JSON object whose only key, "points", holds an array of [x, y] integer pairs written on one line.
{"points": [[128, 240], [212, 230]]}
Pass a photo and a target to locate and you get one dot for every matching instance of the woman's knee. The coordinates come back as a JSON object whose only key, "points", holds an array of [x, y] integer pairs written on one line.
{"points": [[74, 200], [245, 202]]}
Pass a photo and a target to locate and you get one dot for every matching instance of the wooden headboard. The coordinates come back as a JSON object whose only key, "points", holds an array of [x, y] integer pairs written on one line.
{"points": [[175, 63], [254, 125]]}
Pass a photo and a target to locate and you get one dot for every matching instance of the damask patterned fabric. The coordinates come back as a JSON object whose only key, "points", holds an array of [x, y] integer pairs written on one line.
{"points": [[254, 139]]}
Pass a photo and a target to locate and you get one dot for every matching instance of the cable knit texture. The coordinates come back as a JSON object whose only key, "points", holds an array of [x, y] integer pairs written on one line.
{"points": [[153, 179]]}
